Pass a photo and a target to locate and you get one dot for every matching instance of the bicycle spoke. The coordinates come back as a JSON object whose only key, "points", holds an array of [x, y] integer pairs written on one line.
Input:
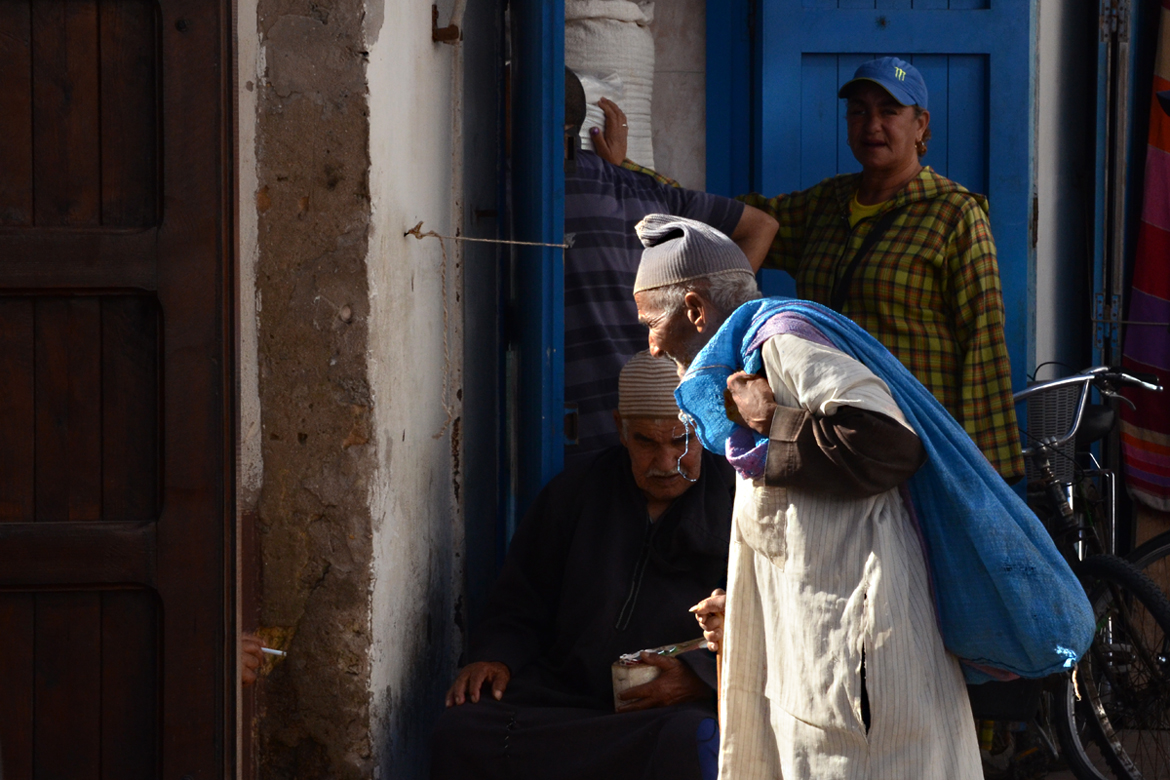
{"points": [[1126, 701]]}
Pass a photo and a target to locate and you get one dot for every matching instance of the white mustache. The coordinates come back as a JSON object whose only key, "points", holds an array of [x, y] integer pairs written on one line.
{"points": [[663, 473]]}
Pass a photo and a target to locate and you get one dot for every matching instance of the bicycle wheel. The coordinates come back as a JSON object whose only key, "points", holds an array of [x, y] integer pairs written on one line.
{"points": [[1153, 559], [1121, 725]]}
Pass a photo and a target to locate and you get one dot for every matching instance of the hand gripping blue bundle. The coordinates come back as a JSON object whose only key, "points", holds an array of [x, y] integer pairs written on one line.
{"points": [[1006, 600]]}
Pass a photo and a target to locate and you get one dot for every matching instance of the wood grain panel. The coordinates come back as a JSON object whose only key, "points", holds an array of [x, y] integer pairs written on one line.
{"points": [[67, 152], [130, 416], [67, 719], [115, 690], [16, 179], [129, 113], [68, 413], [130, 704], [17, 615], [79, 258], [50, 554], [16, 409]]}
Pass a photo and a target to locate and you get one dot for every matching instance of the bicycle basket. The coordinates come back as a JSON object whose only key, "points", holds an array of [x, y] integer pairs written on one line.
{"points": [[1050, 415]]}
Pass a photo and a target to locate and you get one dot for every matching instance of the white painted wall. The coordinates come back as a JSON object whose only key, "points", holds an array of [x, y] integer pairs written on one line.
{"points": [[1065, 107], [415, 359]]}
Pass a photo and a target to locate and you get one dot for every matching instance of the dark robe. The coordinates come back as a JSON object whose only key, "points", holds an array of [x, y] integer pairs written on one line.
{"points": [[587, 578]]}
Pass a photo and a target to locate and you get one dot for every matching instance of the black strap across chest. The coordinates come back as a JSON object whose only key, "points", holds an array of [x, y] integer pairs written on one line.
{"points": [[842, 285]]}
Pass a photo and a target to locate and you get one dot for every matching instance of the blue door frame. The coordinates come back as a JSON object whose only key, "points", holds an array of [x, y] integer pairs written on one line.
{"points": [[772, 70], [538, 191]]}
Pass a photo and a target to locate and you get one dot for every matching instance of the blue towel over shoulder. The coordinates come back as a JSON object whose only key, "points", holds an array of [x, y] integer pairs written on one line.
{"points": [[1006, 599]]}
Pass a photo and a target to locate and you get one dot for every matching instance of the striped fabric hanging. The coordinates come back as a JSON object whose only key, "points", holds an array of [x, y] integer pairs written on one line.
{"points": [[1146, 430]]}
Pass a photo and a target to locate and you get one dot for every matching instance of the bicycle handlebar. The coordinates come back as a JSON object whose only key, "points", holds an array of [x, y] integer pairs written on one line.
{"points": [[1137, 379], [1104, 378]]}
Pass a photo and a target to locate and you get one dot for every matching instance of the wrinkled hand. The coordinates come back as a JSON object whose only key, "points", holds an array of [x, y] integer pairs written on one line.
{"points": [[677, 683], [251, 659], [709, 613], [610, 144], [749, 401], [473, 676]]}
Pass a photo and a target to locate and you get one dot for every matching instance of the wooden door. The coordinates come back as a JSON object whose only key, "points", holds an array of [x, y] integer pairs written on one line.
{"points": [[115, 368]]}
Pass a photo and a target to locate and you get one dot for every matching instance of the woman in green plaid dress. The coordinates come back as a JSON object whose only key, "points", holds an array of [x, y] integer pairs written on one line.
{"points": [[929, 288]]}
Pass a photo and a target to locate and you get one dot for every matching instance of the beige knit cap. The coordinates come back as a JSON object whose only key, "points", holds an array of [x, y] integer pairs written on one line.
{"points": [[680, 249], [646, 387]]}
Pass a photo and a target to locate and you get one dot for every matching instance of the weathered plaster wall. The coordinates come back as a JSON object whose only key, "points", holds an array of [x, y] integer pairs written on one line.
{"points": [[416, 359], [352, 422], [250, 466], [316, 400], [360, 356], [250, 457], [679, 110]]}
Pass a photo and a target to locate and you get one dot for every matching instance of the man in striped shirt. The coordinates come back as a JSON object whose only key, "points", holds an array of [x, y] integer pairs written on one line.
{"points": [[603, 202]]}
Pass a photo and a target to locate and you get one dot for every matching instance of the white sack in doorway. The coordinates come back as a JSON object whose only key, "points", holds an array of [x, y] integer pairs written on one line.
{"points": [[610, 42]]}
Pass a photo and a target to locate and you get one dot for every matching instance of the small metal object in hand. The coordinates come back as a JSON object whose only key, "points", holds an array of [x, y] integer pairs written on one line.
{"points": [[629, 659], [630, 671]]}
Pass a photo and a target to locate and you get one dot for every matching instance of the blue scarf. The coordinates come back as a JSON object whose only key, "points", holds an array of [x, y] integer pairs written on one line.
{"points": [[1005, 598]]}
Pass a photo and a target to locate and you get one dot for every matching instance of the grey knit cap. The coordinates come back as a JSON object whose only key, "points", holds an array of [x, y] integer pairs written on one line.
{"points": [[646, 387], [680, 249]]}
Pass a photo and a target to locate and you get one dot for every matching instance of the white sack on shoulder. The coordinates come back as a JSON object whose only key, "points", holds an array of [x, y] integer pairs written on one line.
{"points": [[617, 45]]}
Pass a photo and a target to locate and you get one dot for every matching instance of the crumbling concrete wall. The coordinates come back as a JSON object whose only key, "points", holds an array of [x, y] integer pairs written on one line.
{"points": [[357, 349], [312, 199]]}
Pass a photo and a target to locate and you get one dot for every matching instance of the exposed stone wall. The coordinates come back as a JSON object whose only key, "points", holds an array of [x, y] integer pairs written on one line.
{"points": [[358, 371], [313, 204]]}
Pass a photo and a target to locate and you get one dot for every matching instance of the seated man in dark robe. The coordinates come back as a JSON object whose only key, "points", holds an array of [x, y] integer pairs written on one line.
{"points": [[608, 560]]}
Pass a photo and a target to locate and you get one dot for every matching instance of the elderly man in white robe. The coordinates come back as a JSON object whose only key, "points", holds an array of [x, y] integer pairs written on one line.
{"points": [[834, 665]]}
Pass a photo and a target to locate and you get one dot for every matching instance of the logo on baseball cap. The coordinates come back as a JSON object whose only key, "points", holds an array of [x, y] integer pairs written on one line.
{"points": [[898, 77]]}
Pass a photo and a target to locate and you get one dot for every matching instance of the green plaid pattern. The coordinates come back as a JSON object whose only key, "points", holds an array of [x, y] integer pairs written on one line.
{"points": [[929, 291], [630, 165]]}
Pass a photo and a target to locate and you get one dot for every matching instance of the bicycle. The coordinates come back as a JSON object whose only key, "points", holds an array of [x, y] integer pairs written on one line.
{"points": [[1112, 714], [1153, 558]]}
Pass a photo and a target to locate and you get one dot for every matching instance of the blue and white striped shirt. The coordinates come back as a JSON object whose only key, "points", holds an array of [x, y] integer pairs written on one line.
{"points": [[603, 202]]}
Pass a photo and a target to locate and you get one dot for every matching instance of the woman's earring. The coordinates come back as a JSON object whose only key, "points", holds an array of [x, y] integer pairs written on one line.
{"points": [[920, 147]]}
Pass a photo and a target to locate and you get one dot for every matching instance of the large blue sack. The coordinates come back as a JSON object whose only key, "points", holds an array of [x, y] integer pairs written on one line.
{"points": [[1006, 599]]}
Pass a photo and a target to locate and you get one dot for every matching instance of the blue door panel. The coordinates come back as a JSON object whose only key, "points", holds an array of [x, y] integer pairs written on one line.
{"points": [[925, 4], [960, 154], [819, 113]]}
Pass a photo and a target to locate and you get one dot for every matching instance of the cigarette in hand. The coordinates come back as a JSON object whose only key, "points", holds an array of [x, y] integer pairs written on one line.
{"points": [[271, 651]]}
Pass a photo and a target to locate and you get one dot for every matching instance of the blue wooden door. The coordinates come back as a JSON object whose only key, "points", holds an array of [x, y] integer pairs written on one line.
{"points": [[975, 56]]}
